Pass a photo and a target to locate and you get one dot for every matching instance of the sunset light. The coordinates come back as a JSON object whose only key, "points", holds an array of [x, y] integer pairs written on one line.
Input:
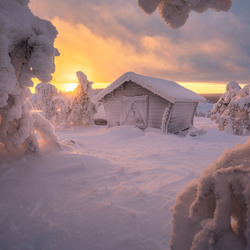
{"points": [[125, 124], [70, 86], [105, 52]]}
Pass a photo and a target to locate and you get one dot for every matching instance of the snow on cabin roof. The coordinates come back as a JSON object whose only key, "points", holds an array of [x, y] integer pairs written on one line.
{"points": [[168, 90]]}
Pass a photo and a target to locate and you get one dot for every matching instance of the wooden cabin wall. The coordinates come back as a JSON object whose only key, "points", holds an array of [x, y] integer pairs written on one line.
{"points": [[181, 116], [113, 102]]}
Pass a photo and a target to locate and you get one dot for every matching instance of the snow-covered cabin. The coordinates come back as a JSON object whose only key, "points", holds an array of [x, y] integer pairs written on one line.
{"points": [[145, 101]]}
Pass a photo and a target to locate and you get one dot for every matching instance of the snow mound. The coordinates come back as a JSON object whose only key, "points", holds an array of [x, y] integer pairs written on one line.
{"points": [[112, 190]]}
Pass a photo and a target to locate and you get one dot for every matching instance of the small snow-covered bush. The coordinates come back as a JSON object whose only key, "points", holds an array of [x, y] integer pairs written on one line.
{"points": [[232, 111], [26, 51], [213, 212], [62, 108], [46, 92]]}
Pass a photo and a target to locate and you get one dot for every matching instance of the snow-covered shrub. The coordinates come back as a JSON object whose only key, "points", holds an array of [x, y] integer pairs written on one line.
{"points": [[26, 51], [44, 128], [46, 92], [62, 108], [55, 105], [213, 212], [82, 109], [232, 111]]}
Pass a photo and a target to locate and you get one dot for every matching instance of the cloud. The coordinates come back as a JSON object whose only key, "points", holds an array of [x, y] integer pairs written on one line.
{"points": [[102, 59], [104, 39]]}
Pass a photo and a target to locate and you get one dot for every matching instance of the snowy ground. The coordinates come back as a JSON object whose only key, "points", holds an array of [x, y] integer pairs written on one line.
{"points": [[111, 191]]}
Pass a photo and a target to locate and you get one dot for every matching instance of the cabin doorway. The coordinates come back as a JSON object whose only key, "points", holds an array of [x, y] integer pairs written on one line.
{"points": [[134, 111]]}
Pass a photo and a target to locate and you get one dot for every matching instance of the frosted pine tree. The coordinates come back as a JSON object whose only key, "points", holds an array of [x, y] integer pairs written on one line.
{"points": [[220, 110], [232, 111], [26, 51], [46, 92], [82, 109], [61, 106]]}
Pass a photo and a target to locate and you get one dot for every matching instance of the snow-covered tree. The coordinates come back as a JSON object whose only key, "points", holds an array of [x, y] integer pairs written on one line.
{"points": [[213, 212], [232, 111], [61, 105], [26, 51], [82, 109], [176, 12], [46, 92]]}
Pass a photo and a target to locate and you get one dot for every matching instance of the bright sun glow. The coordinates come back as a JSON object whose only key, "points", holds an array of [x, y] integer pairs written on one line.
{"points": [[70, 86]]}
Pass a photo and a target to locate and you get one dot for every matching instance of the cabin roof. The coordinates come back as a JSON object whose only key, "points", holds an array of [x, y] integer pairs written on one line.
{"points": [[168, 90]]}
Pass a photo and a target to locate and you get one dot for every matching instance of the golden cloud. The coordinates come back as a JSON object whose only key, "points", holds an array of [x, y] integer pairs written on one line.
{"points": [[103, 59]]}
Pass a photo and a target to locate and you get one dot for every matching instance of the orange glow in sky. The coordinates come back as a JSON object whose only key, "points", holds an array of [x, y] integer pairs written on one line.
{"points": [[204, 87], [125, 39], [81, 50], [70, 86], [103, 60]]}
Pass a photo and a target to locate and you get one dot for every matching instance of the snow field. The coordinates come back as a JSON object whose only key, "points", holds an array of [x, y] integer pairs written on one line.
{"points": [[106, 189]]}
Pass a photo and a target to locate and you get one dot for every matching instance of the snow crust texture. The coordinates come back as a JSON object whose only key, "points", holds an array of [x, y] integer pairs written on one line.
{"points": [[176, 12], [213, 212], [26, 51], [105, 189]]}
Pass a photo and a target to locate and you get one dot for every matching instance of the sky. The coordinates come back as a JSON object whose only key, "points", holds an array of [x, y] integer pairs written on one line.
{"points": [[106, 38]]}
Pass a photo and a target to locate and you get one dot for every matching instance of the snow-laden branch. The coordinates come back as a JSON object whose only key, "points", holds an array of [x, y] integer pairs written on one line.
{"points": [[213, 212], [176, 12]]}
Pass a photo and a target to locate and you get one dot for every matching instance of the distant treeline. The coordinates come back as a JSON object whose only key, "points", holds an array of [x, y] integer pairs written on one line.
{"points": [[212, 97]]}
